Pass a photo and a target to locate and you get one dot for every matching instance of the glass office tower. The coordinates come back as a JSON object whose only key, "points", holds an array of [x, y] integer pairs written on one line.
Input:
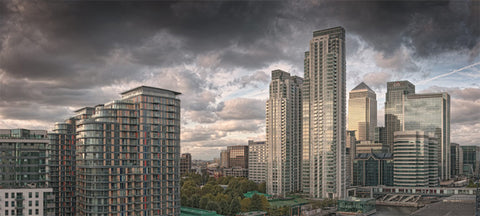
{"points": [[431, 113], [284, 133], [324, 124], [128, 155], [394, 98]]}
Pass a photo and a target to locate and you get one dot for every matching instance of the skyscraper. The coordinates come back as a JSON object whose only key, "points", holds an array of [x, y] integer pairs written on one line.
{"points": [[284, 132], [324, 93], [394, 98], [431, 113], [128, 155], [362, 112]]}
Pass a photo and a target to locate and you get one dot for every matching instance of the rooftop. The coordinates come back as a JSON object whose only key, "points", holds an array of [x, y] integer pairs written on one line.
{"points": [[187, 211], [149, 88], [362, 86]]}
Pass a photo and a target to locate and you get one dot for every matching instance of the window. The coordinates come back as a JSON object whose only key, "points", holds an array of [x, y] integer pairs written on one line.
{"points": [[30, 212], [6, 195], [6, 212], [36, 212], [13, 195], [36, 202], [36, 194], [6, 203], [30, 203], [29, 194]]}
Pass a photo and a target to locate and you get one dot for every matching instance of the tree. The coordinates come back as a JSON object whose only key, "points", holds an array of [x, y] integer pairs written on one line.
{"points": [[211, 188], [224, 207], [262, 187], [184, 200], [195, 201], [235, 206], [203, 202], [213, 206], [245, 204]]}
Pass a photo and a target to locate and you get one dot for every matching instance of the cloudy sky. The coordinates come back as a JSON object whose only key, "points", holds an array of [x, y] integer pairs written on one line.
{"points": [[58, 56]]}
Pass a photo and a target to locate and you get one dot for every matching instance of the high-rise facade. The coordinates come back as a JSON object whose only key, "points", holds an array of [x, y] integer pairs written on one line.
{"points": [[23, 155], [431, 113], [415, 159], [62, 166], [324, 124], [394, 98], [284, 133], [362, 112], [24, 185], [257, 161], [128, 155], [350, 154]]}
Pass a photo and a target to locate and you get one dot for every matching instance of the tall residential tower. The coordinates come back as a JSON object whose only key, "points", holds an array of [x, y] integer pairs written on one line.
{"points": [[128, 155], [324, 95], [284, 133]]}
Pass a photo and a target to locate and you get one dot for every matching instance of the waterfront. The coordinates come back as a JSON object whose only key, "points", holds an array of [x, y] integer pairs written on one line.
{"points": [[394, 211]]}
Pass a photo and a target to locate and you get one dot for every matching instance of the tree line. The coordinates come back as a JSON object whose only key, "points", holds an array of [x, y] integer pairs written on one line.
{"points": [[204, 192]]}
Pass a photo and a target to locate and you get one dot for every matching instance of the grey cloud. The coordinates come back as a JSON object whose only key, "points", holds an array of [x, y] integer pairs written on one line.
{"points": [[243, 109], [29, 111], [252, 79], [428, 27], [465, 103], [377, 80]]}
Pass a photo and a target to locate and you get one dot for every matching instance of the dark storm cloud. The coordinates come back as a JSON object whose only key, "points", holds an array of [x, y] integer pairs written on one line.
{"points": [[74, 41], [69, 40], [428, 27]]}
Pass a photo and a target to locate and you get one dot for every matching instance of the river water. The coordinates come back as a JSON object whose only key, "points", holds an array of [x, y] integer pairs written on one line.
{"points": [[394, 211]]}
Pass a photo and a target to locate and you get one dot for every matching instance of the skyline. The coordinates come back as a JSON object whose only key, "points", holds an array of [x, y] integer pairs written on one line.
{"points": [[58, 57]]}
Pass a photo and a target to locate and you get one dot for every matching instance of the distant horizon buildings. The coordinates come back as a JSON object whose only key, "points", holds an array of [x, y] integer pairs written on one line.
{"points": [[185, 163], [257, 161], [284, 133], [324, 113]]}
